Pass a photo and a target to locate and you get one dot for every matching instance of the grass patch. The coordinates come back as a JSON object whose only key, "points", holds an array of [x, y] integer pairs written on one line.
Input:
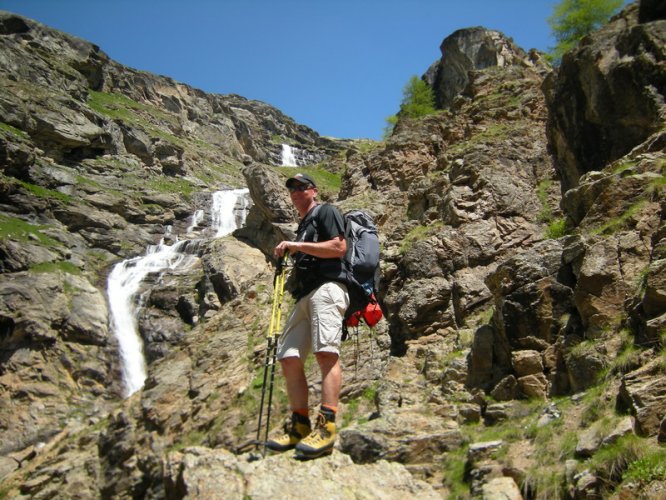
{"points": [[418, 233], [546, 213], [120, 107], [192, 438], [21, 231], [366, 146], [610, 462], [328, 183], [556, 229], [595, 406], [56, 267], [171, 185], [624, 166], [618, 223], [7, 128], [41, 192], [627, 359], [649, 467], [453, 467], [490, 135]]}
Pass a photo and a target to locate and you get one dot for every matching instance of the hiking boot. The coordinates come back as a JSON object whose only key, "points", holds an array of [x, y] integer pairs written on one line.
{"points": [[294, 431], [320, 441]]}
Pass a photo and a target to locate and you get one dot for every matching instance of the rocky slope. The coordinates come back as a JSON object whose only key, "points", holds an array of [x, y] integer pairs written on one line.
{"points": [[522, 278]]}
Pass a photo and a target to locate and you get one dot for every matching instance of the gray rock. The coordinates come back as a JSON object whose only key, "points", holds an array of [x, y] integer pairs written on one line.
{"points": [[501, 488], [466, 50], [643, 392], [205, 473]]}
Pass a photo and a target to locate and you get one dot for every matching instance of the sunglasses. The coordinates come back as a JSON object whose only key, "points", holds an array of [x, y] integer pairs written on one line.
{"points": [[302, 187]]}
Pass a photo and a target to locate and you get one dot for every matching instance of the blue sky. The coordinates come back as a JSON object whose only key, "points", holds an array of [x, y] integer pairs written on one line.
{"points": [[338, 67]]}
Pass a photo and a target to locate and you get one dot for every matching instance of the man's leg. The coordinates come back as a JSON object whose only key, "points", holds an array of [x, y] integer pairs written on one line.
{"points": [[297, 384], [328, 306], [331, 378], [294, 344]]}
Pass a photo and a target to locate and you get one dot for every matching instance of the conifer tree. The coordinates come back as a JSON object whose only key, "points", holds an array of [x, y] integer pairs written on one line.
{"points": [[418, 100]]}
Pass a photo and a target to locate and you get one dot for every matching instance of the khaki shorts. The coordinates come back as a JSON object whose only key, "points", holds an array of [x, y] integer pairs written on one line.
{"points": [[315, 324]]}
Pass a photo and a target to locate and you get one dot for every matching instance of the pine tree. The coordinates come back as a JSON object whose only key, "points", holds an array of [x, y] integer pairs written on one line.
{"points": [[418, 100]]}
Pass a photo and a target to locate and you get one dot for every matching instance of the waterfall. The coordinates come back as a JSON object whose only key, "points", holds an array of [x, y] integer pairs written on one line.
{"points": [[225, 220], [288, 158], [197, 218], [126, 277]]}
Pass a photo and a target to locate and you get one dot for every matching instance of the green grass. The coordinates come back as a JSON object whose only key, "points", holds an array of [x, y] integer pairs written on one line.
{"points": [[193, 438], [556, 229], [627, 358], [453, 467], [5, 127], [490, 135], [54, 267], [41, 192], [21, 231], [618, 223], [120, 107], [624, 166], [171, 185], [366, 145], [418, 233], [650, 467], [611, 461], [328, 183]]}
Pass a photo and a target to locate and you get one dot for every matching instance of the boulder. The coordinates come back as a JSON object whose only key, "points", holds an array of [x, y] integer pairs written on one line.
{"points": [[643, 393]]}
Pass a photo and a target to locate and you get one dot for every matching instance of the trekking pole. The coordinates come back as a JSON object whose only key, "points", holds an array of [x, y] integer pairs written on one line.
{"points": [[271, 348]]}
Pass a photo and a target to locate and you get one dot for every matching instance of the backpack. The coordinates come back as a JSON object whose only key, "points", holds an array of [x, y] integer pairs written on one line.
{"points": [[362, 264], [361, 268]]}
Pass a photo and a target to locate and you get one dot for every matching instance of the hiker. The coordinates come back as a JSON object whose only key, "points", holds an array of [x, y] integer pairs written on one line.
{"points": [[316, 321]]}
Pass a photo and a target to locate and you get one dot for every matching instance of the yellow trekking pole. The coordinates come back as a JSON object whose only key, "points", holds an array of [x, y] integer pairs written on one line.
{"points": [[271, 349]]}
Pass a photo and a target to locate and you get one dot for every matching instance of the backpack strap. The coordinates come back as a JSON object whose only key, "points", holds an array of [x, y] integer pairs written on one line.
{"points": [[310, 218]]}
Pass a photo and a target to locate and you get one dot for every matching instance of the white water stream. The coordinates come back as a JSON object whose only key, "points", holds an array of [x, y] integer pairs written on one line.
{"points": [[288, 158], [126, 277]]}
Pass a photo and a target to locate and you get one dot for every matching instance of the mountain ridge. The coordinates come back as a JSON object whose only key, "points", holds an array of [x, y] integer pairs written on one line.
{"points": [[523, 290]]}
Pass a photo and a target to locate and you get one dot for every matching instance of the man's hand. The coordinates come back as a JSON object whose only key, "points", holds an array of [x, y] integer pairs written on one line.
{"points": [[331, 249], [282, 247]]}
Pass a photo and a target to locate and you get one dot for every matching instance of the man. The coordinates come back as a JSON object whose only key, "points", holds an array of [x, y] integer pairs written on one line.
{"points": [[315, 325]]}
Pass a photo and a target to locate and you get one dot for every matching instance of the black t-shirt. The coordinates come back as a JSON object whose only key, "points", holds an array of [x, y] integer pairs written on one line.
{"points": [[321, 223]]}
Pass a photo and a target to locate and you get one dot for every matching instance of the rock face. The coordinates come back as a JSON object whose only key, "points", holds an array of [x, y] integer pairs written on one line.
{"points": [[202, 473], [608, 95], [472, 49], [523, 291]]}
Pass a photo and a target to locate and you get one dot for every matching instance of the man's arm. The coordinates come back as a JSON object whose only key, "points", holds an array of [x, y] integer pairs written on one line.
{"points": [[330, 249]]}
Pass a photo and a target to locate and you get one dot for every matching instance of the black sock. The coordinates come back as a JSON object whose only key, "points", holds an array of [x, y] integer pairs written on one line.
{"points": [[328, 413], [301, 419]]}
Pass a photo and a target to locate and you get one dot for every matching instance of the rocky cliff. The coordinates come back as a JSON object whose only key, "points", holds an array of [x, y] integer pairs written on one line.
{"points": [[522, 278]]}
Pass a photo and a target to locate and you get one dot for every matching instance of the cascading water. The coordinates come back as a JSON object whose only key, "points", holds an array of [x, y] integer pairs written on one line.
{"points": [[126, 277], [223, 214], [288, 158]]}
